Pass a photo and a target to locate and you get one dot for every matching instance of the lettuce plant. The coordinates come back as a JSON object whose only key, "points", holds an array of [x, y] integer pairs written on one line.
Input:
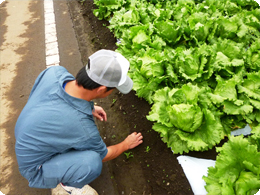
{"points": [[237, 169], [183, 119]]}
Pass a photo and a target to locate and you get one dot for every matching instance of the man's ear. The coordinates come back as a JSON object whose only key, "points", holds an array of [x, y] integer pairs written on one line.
{"points": [[101, 89]]}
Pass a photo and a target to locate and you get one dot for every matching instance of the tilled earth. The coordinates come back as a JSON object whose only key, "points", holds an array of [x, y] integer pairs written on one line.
{"points": [[151, 168]]}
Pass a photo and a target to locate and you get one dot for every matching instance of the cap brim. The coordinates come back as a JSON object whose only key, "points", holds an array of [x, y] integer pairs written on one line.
{"points": [[126, 87]]}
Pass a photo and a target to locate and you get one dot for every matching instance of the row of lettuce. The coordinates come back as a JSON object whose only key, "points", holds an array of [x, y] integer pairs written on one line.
{"points": [[198, 64]]}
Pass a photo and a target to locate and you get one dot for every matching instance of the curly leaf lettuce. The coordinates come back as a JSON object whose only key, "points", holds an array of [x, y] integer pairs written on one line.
{"points": [[226, 95], [107, 7], [205, 137], [169, 30], [251, 85], [184, 123], [146, 91], [236, 170], [186, 117]]}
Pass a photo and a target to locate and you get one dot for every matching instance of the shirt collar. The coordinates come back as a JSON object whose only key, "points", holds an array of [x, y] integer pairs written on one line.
{"points": [[79, 104]]}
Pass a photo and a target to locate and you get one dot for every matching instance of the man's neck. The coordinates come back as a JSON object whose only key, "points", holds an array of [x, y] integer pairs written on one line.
{"points": [[78, 91]]}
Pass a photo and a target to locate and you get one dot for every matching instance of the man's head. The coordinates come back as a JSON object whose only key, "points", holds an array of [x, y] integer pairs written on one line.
{"points": [[106, 68]]}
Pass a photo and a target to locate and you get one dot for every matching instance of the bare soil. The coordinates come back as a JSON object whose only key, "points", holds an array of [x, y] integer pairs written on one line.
{"points": [[151, 168]]}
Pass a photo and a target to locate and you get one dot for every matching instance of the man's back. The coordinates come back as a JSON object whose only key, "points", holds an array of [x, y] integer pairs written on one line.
{"points": [[52, 122]]}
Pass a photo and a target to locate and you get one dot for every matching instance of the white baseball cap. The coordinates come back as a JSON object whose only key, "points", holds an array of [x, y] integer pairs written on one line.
{"points": [[109, 68]]}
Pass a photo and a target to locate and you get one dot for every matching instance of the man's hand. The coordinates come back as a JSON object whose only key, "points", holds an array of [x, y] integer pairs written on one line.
{"points": [[134, 140], [130, 142], [99, 113]]}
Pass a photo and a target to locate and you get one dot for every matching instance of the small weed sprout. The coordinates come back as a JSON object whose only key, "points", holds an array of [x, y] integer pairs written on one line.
{"points": [[147, 149], [128, 155]]}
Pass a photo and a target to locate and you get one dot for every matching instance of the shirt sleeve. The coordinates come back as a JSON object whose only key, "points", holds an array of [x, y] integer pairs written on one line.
{"points": [[37, 81], [90, 138], [94, 143]]}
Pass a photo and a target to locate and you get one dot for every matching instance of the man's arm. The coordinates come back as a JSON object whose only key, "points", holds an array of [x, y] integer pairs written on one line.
{"points": [[130, 142]]}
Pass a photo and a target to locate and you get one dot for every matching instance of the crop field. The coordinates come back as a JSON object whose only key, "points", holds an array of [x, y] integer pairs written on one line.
{"points": [[196, 71]]}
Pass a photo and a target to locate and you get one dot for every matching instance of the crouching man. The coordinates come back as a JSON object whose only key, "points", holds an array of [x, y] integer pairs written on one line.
{"points": [[57, 140]]}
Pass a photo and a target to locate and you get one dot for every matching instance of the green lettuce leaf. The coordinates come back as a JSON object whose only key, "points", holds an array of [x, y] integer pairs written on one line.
{"points": [[186, 117], [236, 162], [248, 183], [169, 30], [209, 134], [171, 139], [107, 7]]}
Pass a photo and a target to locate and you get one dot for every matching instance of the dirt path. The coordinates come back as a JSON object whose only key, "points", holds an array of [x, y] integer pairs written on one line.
{"points": [[22, 58], [19, 20]]}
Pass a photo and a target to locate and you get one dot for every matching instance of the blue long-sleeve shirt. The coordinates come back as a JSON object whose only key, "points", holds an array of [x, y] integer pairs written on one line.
{"points": [[53, 122]]}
